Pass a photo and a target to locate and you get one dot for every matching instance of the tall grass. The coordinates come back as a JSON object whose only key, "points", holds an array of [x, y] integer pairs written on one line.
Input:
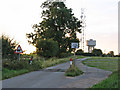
{"points": [[73, 71]]}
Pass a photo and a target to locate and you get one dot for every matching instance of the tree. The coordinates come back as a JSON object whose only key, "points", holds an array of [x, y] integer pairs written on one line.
{"points": [[79, 52], [57, 21], [97, 52], [8, 47], [111, 54], [47, 48]]}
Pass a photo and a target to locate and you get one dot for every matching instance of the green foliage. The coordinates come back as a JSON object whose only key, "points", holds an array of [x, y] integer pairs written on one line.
{"points": [[88, 54], [110, 54], [57, 21], [73, 71], [110, 82], [23, 64], [97, 52], [6, 73], [8, 47], [79, 52], [47, 48], [63, 55]]}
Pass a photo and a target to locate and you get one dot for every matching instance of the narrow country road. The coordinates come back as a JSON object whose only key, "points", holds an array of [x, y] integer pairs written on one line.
{"points": [[53, 77]]}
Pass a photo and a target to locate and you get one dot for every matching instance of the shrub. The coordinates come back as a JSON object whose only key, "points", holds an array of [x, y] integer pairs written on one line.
{"points": [[73, 71], [47, 48], [97, 52], [63, 55], [15, 65], [88, 54], [36, 65], [79, 52]]}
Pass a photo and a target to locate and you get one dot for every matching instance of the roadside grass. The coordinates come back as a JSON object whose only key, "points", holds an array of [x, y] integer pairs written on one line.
{"points": [[106, 63], [6, 73], [73, 71], [111, 82], [38, 63]]}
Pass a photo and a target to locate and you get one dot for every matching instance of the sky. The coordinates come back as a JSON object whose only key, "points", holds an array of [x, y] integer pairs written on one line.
{"points": [[18, 16]]}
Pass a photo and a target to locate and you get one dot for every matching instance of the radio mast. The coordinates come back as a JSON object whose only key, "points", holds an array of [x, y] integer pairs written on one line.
{"points": [[83, 19]]}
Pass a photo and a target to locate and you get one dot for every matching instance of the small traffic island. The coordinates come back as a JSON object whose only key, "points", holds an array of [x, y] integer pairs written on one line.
{"points": [[73, 71]]}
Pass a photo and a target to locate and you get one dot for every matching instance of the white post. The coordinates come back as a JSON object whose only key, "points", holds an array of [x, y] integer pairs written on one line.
{"points": [[70, 63]]}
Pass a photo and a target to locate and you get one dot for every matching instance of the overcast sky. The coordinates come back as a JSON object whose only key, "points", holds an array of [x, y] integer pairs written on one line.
{"points": [[18, 16]]}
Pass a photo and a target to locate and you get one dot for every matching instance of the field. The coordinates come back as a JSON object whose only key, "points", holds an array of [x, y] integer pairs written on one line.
{"points": [[106, 63], [25, 67]]}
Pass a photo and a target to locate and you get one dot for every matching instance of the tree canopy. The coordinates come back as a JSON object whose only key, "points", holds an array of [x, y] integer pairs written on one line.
{"points": [[47, 48], [8, 47], [57, 21], [97, 52]]}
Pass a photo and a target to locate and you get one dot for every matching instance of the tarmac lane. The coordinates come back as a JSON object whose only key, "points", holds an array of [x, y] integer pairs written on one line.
{"points": [[53, 77]]}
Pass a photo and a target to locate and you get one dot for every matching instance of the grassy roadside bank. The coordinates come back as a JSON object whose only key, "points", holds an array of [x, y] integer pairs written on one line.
{"points": [[8, 73], [106, 63], [110, 82]]}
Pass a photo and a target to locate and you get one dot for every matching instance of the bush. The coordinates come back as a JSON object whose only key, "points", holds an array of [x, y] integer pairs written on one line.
{"points": [[36, 65], [88, 54], [73, 71], [97, 52], [79, 52], [15, 64], [63, 55], [47, 48]]}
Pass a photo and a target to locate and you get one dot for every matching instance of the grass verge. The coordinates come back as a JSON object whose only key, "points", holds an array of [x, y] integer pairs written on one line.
{"points": [[110, 82], [73, 71], [106, 63], [11, 73]]}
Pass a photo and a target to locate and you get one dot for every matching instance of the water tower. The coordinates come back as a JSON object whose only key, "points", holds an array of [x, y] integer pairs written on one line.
{"points": [[91, 44]]}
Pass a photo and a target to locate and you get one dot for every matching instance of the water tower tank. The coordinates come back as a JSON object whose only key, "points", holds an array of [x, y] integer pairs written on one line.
{"points": [[91, 44]]}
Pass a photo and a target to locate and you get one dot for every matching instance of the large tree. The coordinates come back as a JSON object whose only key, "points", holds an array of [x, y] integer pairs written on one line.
{"points": [[8, 47], [57, 21]]}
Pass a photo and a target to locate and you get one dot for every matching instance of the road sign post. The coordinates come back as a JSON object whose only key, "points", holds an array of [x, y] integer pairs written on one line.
{"points": [[19, 51], [19, 57], [74, 45], [74, 56]]}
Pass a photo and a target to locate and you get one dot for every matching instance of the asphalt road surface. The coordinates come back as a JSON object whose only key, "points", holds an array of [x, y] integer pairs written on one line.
{"points": [[53, 77]]}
